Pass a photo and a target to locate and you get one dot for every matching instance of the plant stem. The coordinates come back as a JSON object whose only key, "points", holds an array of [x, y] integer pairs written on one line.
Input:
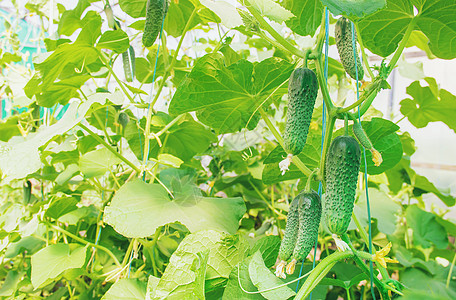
{"points": [[401, 47], [265, 25], [368, 97], [301, 166], [363, 53], [326, 143], [451, 271], [79, 239], [165, 76], [266, 201], [323, 86], [101, 141]]}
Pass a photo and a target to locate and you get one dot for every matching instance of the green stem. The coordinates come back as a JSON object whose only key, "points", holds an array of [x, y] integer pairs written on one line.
{"points": [[265, 25], [309, 180], [79, 239], [363, 52], [373, 89], [322, 269], [165, 76], [401, 47], [101, 141], [111, 71], [301, 166], [324, 86], [451, 271], [326, 143], [266, 201]]}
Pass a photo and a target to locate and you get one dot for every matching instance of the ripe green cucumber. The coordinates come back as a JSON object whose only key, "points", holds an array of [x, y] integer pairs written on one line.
{"points": [[344, 43], [341, 173], [155, 13], [302, 92], [309, 220], [128, 59], [291, 231]]}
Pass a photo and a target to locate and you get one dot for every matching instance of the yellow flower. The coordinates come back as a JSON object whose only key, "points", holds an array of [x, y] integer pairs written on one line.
{"points": [[376, 157], [381, 258]]}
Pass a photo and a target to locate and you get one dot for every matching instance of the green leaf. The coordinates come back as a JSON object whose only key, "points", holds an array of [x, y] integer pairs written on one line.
{"points": [[13, 278], [126, 288], [269, 247], [97, 162], [10, 127], [233, 290], [382, 134], [272, 10], [135, 202], [227, 13], [184, 276], [426, 230], [115, 40], [51, 261], [263, 279], [71, 19], [224, 97], [308, 16], [429, 104], [30, 244], [434, 19], [22, 157], [61, 206], [354, 8], [382, 208], [382, 31], [134, 8], [420, 285]]}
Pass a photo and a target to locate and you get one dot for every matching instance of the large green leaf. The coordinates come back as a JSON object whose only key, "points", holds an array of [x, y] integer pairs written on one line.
{"points": [[20, 157], [426, 230], [382, 134], [126, 288], [134, 8], [97, 162], [12, 280], [382, 31], [184, 276], [308, 15], [115, 40], [139, 208], [429, 104], [61, 206], [225, 98], [354, 8], [263, 279], [51, 261], [271, 9], [240, 274], [421, 285]]}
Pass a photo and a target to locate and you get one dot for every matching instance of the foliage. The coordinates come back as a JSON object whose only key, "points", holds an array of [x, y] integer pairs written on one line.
{"points": [[169, 187]]}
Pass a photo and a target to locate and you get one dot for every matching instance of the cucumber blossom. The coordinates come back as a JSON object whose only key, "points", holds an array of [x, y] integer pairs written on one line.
{"points": [[344, 43], [155, 13], [302, 92], [289, 238], [341, 173], [309, 220], [364, 140]]}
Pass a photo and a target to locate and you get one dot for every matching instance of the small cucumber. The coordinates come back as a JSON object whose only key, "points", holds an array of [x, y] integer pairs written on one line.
{"points": [[341, 173], [155, 13], [309, 220], [128, 59], [344, 43], [109, 15], [364, 140]]}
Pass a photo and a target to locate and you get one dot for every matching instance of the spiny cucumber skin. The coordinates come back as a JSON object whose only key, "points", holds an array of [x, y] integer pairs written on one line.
{"points": [[309, 221], [362, 136], [155, 12], [127, 66], [344, 43], [291, 231], [341, 173], [302, 93]]}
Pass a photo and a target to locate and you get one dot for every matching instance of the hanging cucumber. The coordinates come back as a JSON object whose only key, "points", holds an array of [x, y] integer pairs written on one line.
{"points": [[302, 92], [344, 43], [309, 220], [361, 135], [155, 13], [341, 173], [27, 189], [128, 59], [289, 238], [109, 15]]}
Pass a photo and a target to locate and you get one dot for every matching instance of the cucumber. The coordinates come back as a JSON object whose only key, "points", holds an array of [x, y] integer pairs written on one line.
{"points": [[109, 15], [123, 119], [364, 140], [27, 189], [341, 173], [128, 59], [344, 43], [302, 92], [289, 238], [155, 13], [309, 220]]}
